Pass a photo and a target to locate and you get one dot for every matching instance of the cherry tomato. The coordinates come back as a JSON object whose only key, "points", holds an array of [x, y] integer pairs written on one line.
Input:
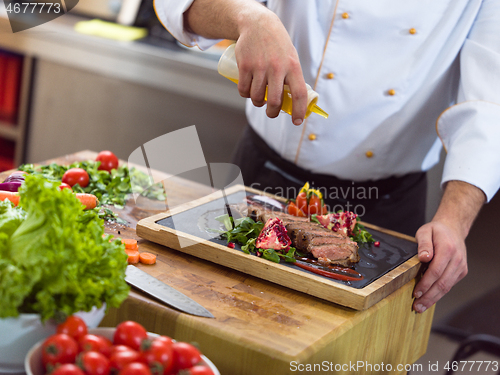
{"points": [[130, 333], [95, 343], [158, 355], [73, 326], [108, 161], [301, 201], [119, 359], [67, 369], [165, 339], [94, 363], [135, 368], [59, 348], [119, 348], [199, 370], [294, 210], [314, 205], [185, 355], [64, 186], [75, 176], [324, 210]]}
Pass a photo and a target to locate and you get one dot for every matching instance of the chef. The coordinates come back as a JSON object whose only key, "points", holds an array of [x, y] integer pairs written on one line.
{"points": [[400, 81]]}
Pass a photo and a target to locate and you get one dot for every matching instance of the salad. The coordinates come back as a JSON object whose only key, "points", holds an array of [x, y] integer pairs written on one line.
{"points": [[54, 257]]}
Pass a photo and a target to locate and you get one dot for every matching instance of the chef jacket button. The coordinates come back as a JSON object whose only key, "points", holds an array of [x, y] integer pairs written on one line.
{"points": [[369, 154], [330, 76], [391, 92], [413, 31], [312, 137], [345, 15]]}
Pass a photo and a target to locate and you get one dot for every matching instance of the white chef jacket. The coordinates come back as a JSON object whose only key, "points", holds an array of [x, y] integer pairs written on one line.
{"points": [[399, 80]]}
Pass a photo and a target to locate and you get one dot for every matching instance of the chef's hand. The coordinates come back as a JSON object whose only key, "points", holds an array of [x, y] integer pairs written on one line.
{"points": [[442, 243], [267, 57], [264, 52]]}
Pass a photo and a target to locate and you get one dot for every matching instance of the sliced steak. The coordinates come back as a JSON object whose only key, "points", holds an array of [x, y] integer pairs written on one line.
{"points": [[263, 214], [342, 254]]}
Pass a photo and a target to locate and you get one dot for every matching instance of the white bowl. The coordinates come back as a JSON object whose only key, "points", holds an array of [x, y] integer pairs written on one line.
{"points": [[33, 362], [17, 336]]}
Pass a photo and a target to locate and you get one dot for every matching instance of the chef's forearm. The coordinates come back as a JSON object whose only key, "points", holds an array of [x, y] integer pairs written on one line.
{"points": [[460, 206], [223, 19]]}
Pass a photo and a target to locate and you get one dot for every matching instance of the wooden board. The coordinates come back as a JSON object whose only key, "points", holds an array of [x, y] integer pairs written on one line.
{"points": [[291, 277]]}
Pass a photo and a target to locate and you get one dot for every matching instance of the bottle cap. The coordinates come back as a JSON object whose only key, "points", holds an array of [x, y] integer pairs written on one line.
{"points": [[227, 66]]}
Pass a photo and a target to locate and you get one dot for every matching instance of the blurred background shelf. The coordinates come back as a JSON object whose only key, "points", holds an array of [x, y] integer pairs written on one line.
{"points": [[87, 92]]}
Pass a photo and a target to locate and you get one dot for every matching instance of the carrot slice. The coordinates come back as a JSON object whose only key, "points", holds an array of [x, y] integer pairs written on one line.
{"points": [[133, 256], [147, 258], [130, 243], [88, 200], [10, 195]]}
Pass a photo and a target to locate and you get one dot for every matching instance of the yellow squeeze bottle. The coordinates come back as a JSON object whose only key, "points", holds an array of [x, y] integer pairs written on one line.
{"points": [[229, 68]]}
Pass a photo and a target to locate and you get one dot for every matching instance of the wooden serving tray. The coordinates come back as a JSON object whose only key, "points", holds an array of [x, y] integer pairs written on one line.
{"points": [[359, 297]]}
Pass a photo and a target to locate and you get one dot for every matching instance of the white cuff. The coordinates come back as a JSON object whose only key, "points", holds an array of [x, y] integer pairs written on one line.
{"points": [[170, 13], [470, 132]]}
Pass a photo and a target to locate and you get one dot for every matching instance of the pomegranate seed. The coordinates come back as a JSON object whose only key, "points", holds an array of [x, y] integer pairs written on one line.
{"points": [[231, 245], [376, 244]]}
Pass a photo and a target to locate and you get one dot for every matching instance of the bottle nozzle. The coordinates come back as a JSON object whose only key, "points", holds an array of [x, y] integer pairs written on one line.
{"points": [[319, 111]]}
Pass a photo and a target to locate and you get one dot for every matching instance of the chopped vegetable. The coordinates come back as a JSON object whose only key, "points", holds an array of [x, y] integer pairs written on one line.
{"points": [[56, 260], [11, 196], [88, 200], [133, 256], [147, 258], [10, 186], [130, 243], [109, 188]]}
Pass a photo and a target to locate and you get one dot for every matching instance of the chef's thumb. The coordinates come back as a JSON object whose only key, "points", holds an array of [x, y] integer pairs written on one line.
{"points": [[425, 244]]}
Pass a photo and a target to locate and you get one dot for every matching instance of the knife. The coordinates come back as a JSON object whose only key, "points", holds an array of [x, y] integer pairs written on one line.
{"points": [[163, 292]]}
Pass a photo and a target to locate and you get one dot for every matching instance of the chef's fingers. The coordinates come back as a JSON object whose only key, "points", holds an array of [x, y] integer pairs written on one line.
{"points": [[274, 93], [295, 81], [425, 246], [453, 273], [244, 80], [258, 89]]}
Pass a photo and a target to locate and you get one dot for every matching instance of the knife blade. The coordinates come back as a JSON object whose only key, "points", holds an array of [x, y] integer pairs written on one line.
{"points": [[163, 292]]}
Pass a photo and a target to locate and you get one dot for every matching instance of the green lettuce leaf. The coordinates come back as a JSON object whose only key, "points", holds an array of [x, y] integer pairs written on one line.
{"points": [[57, 260]]}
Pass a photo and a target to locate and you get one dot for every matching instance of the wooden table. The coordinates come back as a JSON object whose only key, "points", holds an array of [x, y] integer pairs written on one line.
{"points": [[263, 328]]}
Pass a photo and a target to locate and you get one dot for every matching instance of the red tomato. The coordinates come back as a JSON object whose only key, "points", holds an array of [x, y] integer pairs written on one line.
{"points": [[59, 348], [73, 326], [185, 355], [135, 368], [301, 201], [130, 333], [119, 359], [324, 211], [294, 210], [94, 363], [199, 370], [64, 186], [95, 343], [314, 205], [158, 355], [67, 369], [165, 339], [75, 176], [108, 161], [119, 348]]}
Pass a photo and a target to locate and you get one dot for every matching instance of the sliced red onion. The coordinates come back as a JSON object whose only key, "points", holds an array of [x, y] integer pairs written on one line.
{"points": [[11, 186]]}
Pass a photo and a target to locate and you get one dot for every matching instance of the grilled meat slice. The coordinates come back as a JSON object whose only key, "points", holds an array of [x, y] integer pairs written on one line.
{"points": [[263, 214], [342, 254]]}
